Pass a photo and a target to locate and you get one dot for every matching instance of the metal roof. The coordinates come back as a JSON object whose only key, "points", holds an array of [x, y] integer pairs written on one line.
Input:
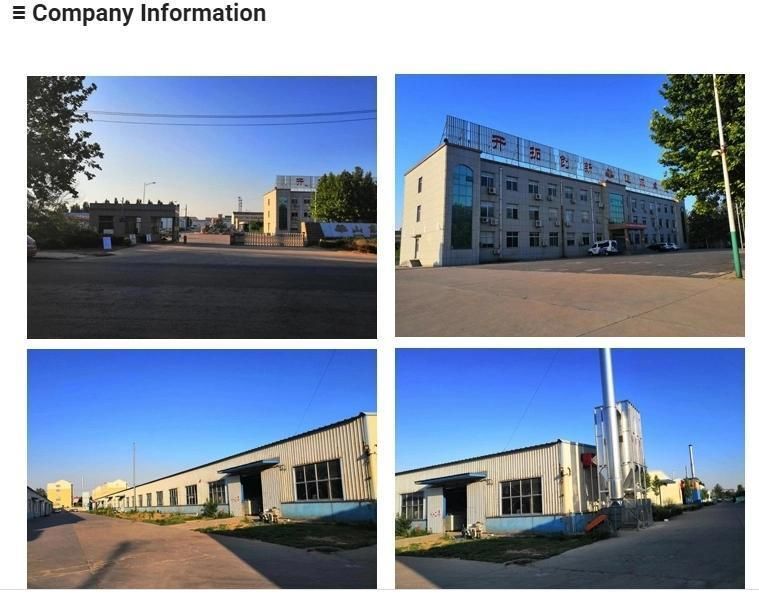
{"points": [[454, 479], [256, 465]]}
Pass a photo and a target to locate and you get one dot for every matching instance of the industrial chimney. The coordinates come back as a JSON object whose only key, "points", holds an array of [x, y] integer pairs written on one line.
{"points": [[612, 431], [692, 465]]}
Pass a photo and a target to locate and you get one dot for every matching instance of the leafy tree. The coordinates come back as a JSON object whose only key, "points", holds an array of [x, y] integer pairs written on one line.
{"points": [[718, 492], [740, 491], [58, 149], [41, 491], [686, 130], [708, 223], [348, 196]]}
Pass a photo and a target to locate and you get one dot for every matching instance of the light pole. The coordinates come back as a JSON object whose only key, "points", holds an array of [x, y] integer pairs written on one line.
{"points": [[144, 187], [722, 152]]}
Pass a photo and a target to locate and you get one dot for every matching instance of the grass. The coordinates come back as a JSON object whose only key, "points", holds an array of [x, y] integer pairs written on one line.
{"points": [[312, 536], [507, 549]]}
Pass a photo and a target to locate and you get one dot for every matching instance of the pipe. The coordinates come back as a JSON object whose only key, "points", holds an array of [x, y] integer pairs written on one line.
{"points": [[692, 465], [610, 421]]}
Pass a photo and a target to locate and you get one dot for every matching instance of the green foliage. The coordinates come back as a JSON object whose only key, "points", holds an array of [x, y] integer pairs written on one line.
{"points": [[402, 526], [348, 196], [210, 509], [58, 148], [41, 491], [708, 224], [53, 230], [718, 492], [667, 512], [686, 130]]}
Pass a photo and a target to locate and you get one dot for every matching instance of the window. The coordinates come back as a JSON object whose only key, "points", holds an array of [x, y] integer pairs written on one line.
{"points": [[635, 219], [512, 239], [585, 241], [294, 202], [418, 213], [635, 204], [412, 506], [512, 183], [534, 239], [569, 216], [487, 239], [487, 210], [149, 498], [666, 223], [191, 494], [553, 214], [584, 194], [599, 237], [282, 213], [173, 498], [553, 191], [585, 216], [569, 193], [553, 239], [522, 497], [512, 211], [597, 196], [616, 208], [533, 187], [139, 500], [159, 498], [534, 213], [461, 218], [645, 221], [318, 482], [570, 238], [105, 222], [419, 185], [217, 492], [487, 179]]}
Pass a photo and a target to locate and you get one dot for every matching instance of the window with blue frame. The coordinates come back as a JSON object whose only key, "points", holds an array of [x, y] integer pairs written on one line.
{"points": [[461, 217], [616, 208]]}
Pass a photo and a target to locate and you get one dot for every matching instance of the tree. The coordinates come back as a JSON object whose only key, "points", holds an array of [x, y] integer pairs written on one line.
{"points": [[41, 491], [686, 131], [58, 149], [708, 224], [348, 196], [718, 492]]}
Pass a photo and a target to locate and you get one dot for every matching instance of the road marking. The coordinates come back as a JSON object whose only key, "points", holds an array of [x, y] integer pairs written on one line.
{"points": [[594, 269]]}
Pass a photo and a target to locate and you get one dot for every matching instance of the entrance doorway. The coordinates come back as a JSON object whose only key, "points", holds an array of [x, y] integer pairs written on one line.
{"points": [[252, 494], [455, 508]]}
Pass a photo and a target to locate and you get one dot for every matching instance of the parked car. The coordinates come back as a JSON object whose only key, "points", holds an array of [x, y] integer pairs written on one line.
{"points": [[605, 248], [658, 246], [31, 246], [673, 246]]}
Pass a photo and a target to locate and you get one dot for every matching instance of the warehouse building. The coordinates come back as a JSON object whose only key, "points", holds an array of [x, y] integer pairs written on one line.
{"points": [[61, 493], [123, 218], [484, 195], [288, 204], [37, 505], [328, 473]]}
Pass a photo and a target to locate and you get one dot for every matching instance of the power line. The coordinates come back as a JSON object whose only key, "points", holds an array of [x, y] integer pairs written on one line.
{"points": [[239, 116], [316, 389], [237, 124]]}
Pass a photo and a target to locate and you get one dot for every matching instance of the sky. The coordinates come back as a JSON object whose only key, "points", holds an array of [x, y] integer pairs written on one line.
{"points": [[182, 408], [602, 117], [207, 168], [454, 404]]}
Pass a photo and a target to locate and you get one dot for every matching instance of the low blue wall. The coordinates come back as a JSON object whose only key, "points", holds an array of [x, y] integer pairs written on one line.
{"points": [[181, 509], [540, 524], [340, 511]]}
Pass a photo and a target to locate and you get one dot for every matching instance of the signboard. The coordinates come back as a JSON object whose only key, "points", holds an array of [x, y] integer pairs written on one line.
{"points": [[348, 230], [531, 154], [107, 243], [296, 182]]}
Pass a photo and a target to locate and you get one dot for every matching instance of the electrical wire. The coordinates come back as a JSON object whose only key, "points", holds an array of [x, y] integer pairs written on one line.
{"points": [[237, 124], [238, 116], [316, 389]]}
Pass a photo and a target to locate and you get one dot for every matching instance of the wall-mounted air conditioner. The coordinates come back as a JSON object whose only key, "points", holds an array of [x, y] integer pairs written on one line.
{"points": [[491, 190], [537, 196], [538, 223]]}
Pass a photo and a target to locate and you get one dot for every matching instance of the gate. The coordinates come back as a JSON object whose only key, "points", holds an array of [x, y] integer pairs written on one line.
{"points": [[294, 239]]}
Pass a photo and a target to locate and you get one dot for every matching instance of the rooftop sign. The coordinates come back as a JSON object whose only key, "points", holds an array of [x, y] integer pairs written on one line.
{"points": [[297, 182], [534, 155]]}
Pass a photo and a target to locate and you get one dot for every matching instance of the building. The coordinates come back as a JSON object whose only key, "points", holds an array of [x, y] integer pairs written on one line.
{"points": [[543, 488], [37, 505], [61, 494], [327, 473], [288, 204], [241, 218], [107, 488], [670, 489], [484, 195], [124, 218]]}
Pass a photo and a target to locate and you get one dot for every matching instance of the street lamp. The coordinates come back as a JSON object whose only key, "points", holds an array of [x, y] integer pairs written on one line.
{"points": [[722, 152], [144, 187]]}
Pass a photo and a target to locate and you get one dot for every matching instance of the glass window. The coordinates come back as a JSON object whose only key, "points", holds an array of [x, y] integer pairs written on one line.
{"points": [[191, 494], [553, 190], [318, 482], [487, 239], [569, 216], [173, 497], [522, 497], [149, 498], [512, 183], [418, 213], [419, 185], [512, 211], [585, 241], [585, 216], [512, 239], [533, 187], [569, 193], [461, 218], [282, 213], [139, 500], [553, 239], [534, 213], [584, 194], [159, 498], [534, 239], [412, 506], [487, 210], [487, 179], [616, 208], [570, 238], [217, 492]]}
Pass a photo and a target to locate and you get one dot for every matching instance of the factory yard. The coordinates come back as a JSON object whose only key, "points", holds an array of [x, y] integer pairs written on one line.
{"points": [[80, 550], [687, 293], [191, 291], [700, 549]]}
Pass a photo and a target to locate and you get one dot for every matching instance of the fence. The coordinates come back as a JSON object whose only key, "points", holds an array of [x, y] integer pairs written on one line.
{"points": [[295, 239]]}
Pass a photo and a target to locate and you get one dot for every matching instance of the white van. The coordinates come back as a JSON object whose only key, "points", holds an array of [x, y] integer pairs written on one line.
{"points": [[607, 247]]}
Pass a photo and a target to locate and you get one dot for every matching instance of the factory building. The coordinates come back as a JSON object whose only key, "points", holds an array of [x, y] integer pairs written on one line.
{"points": [[37, 505], [484, 195], [61, 493], [288, 204], [327, 473], [123, 218], [241, 219]]}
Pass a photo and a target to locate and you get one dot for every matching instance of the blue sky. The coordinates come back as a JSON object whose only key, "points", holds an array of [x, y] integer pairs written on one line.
{"points": [[207, 168], [602, 117], [454, 404], [182, 407]]}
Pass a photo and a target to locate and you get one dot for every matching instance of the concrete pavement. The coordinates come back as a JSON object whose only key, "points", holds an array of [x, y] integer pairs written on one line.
{"points": [[699, 549], [68, 550]]}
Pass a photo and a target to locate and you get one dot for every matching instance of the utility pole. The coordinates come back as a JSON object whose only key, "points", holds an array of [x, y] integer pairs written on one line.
{"points": [[134, 476], [722, 152]]}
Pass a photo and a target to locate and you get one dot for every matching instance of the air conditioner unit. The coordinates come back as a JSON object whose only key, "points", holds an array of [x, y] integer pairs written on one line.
{"points": [[496, 251], [537, 196], [568, 224], [538, 223], [549, 198], [491, 190], [557, 223], [493, 221], [484, 219]]}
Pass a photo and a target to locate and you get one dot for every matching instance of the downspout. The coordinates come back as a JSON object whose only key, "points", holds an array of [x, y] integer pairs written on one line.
{"points": [[500, 212]]}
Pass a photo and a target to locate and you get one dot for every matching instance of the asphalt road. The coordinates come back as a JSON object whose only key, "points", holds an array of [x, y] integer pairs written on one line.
{"points": [[159, 291], [71, 550], [699, 549]]}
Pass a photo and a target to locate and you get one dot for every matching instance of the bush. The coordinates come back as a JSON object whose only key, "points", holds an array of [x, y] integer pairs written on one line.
{"points": [[210, 509], [666, 512], [402, 526], [55, 231]]}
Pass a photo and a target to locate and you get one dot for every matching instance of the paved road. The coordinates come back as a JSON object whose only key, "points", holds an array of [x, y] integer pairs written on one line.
{"points": [[689, 296], [159, 291], [700, 549], [68, 550]]}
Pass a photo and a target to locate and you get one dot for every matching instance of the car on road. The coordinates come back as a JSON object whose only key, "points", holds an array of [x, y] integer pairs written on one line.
{"points": [[605, 248], [672, 246], [659, 246], [31, 246]]}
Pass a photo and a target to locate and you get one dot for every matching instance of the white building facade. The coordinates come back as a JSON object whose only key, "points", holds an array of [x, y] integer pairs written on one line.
{"points": [[327, 473], [288, 204], [484, 195]]}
